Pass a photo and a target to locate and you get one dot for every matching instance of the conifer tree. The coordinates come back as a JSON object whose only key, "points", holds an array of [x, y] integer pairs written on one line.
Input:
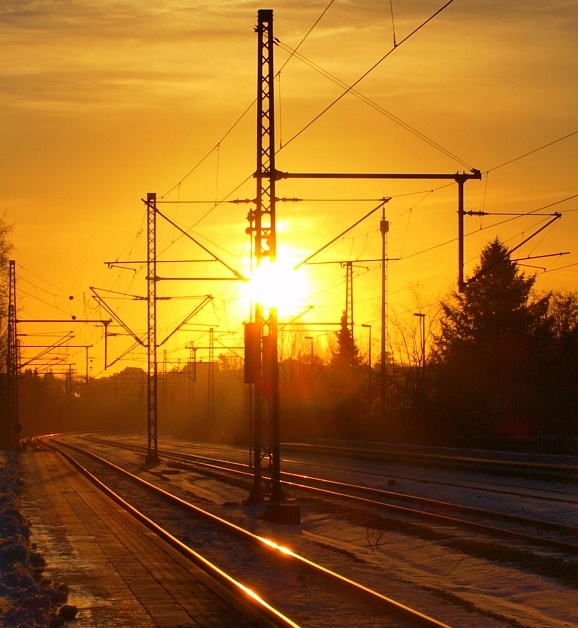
{"points": [[346, 353], [494, 306], [346, 384], [488, 350]]}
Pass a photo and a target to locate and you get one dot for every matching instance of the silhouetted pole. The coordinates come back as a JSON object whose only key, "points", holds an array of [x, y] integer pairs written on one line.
{"points": [[266, 398], [384, 228], [460, 180], [311, 385], [421, 317], [152, 378], [310, 338], [459, 177], [368, 326], [12, 431]]}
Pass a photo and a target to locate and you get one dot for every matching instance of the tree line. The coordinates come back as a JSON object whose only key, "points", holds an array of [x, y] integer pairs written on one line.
{"points": [[504, 364], [501, 372]]}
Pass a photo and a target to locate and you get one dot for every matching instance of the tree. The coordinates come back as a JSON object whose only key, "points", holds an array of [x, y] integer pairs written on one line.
{"points": [[560, 371], [346, 352], [488, 351], [346, 383], [564, 312], [495, 306]]}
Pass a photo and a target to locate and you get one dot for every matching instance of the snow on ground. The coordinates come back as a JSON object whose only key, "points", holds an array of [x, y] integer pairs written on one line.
{"points": [[26, 598], [388, 560], [401, 566], [502, 590]]}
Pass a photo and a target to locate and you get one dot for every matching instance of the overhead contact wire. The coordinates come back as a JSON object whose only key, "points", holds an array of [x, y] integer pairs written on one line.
{"points": [[365, 74], [382, 110]]}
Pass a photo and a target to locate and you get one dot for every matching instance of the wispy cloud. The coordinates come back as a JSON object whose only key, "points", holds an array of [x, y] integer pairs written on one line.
{"points": [[66, 54]]}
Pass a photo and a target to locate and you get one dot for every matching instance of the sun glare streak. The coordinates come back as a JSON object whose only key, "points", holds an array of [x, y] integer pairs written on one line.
{"points": [[280, 548]]}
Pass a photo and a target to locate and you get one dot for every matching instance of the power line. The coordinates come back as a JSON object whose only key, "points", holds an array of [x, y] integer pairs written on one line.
{"points": [[305, 36], [377, 107], [215, 147], [510, 161], [366, 73], [234, 125], [347, 90], [43, 279]]}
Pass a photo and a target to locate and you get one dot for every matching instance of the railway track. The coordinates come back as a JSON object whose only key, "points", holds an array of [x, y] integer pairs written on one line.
{"points": [[389, 544], [537, 533], [292, 588], [527, 466]]}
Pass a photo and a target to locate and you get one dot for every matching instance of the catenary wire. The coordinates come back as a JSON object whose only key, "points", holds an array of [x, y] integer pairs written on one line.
{"points": [[245, 112], [367, 72], [377, 107], [535, 150]]}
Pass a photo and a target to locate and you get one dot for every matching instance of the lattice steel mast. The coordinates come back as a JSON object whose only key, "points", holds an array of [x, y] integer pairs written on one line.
{"points": [[12, 433], [262, 219], [152, 378]]}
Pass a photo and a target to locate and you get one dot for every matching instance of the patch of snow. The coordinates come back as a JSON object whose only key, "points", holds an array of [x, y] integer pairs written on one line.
{"points": [[26, 598]]}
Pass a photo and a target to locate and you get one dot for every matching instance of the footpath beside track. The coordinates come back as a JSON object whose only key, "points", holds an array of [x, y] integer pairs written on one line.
{"points": [[299, 589], [122, 574]]}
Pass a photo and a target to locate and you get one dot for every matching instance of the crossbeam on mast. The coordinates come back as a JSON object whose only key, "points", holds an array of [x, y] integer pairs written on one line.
{"points": [[459, 177]]}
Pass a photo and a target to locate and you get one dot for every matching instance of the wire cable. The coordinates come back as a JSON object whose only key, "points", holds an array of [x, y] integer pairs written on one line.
{"points": [[307, 34], [378, 108], [369, 71], [199, 163], [511, 161]]}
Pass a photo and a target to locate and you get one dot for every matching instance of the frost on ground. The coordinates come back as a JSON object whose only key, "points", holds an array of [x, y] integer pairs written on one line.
{"points": [[26, 598], [388, 559]]}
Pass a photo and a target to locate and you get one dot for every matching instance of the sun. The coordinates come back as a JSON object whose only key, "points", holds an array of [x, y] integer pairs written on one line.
{"points": [[279, 284]]}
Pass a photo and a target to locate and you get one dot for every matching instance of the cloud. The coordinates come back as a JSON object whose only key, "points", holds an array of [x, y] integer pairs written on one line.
{"points": [[66, 54]]}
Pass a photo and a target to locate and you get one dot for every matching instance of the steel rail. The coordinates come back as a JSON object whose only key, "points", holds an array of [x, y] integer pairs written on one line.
{"points": [[269, 614], [468, 461], [402, 611], [440, 518]]}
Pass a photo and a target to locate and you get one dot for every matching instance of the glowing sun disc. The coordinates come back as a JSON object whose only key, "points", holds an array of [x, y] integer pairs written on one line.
{"points": [[278, 285]]}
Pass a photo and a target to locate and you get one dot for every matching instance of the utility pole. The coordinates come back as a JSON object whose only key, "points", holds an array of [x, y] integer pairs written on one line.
{"points": [[152, 375], [55, 346], [12, 433], [384, 229], [262, 332], [368, 326], [460, 180], [421, 317], [211, 381], [192, 380], [459, 177], [266, 439], [349, 296], [13, 357]]}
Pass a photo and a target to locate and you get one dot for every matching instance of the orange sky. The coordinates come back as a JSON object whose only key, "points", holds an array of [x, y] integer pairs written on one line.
{"points": [[102, 102]]}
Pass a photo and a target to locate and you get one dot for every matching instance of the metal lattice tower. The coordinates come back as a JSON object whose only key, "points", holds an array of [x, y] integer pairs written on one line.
{"points": [[152, 378], [349, 296], [266, 398], [12, 366]]}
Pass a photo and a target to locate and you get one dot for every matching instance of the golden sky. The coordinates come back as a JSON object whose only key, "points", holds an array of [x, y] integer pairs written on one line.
{"points": [[102, 102]]}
